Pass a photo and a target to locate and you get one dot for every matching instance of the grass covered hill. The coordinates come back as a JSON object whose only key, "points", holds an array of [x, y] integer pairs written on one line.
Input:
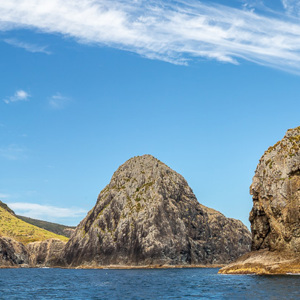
{"points": [[53, 227], [13, 227]]}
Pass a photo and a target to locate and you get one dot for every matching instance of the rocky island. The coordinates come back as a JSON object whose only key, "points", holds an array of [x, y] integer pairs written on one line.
{"points": [[275, 216], [148, 215]]}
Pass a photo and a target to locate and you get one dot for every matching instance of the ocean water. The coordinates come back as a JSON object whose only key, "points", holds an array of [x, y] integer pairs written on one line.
{"points": [[143, 284]]}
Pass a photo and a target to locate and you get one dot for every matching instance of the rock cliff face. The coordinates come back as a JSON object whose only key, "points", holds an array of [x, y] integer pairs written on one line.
{"points": [[37, 254], [275, 216], [45, 253], [148, 215], [15, 251], [12, 253]]}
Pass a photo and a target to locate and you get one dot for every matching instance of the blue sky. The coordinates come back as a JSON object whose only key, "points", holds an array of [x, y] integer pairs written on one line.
{"points": [[204, 86]]}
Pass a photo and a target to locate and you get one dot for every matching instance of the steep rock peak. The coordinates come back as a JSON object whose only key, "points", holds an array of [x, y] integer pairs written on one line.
{"points": [[148, 214], [143, 170]]}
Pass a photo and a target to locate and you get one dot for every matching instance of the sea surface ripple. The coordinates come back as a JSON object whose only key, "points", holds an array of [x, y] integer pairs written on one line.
{"points": [[142, 284]]}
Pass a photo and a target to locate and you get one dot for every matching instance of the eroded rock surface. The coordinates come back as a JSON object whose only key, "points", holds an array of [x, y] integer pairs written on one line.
{"points": [[264, 262], [45, 253], [275, 216], [148, 215], [68, 232], [12, 253]]}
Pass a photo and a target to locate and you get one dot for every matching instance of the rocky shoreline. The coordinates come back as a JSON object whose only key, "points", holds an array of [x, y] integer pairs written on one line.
{"points": [[118, 267], [264, 262]]}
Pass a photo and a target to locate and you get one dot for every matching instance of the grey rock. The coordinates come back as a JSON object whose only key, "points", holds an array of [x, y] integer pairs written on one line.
{"points": [[275, 216], [45, 253], [148, 215], [68, 232], [12, 253]]}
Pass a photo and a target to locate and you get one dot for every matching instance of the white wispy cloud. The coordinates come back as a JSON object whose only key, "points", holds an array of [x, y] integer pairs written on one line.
{"points": [[27, 46], [45, 212], [19, 95], [13, 152], [292, 7], [58, 101], [173, 31]]}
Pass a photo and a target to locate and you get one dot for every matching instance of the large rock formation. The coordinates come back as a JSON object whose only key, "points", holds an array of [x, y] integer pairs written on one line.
{"points": [[148, 215], [275, 216]]}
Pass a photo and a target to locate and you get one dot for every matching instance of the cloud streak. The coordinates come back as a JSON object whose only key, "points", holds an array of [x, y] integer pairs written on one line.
{"points": [[28, 47], [172, 31], [38, 211], [58, 101], [19, 95], [292, 7]]}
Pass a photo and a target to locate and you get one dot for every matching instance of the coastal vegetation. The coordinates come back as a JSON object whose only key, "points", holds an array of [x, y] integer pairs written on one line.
{"points": [[12, 226], [49, 226]]}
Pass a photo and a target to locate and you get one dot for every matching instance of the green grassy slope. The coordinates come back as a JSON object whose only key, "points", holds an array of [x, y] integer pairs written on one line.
{"points": [[53, 227], [21, 231]]}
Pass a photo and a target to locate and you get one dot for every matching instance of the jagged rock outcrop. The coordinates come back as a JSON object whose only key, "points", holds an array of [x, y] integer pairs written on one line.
{"points": [[275, 216], [148, 215], [12, 253], [45, 253]]}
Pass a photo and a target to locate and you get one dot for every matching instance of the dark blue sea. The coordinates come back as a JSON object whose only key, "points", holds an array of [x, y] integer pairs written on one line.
{"points": [[143, 284]]}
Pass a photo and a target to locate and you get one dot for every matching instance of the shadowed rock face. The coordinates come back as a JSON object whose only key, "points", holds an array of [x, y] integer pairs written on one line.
{"points": [[149, 215], [275, 216], [12, 253]]}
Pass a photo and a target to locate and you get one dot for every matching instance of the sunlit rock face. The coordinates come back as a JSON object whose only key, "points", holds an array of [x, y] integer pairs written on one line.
{"points": [[275, 216], [45, 253], [148, 215]]}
